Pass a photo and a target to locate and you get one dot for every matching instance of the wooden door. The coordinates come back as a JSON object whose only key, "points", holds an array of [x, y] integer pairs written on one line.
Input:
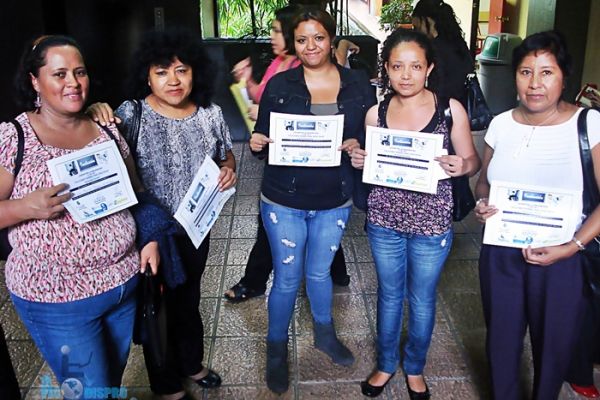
{"points": [[498, 17]]}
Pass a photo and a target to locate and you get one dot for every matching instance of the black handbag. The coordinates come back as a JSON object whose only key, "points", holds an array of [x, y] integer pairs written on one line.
{"points": [[462, 196], [149, 328], [591, 198], [478, 111]]}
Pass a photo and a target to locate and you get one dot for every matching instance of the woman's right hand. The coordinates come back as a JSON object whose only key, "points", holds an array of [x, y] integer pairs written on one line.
{"points": [[45, 203], [483, 210], [242, 70], [103, 114], [357, 158], [258, 141]]}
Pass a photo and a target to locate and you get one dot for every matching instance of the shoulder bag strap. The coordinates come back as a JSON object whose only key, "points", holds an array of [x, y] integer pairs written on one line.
{"points": [[382, 111], [20, 147], [108, 132], [134, 131], [591, 197], [444, 104]]}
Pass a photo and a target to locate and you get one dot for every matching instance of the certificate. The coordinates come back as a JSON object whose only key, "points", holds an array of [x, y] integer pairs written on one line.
{"points": [[403, 159], [531, 215], [306, 140], [202, 203], [97, 178]]}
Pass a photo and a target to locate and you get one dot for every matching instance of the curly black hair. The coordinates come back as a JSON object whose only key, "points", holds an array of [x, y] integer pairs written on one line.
{"points": [[550, 41], [402, 35], [161, 48], [32, 59]]}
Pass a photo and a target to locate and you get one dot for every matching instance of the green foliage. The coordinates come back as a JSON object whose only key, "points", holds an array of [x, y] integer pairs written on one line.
{"points": [[394, 13], [235, 19]]}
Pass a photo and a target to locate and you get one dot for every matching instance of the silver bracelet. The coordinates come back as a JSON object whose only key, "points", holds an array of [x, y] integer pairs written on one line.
{"points": [[578, 243], [480, 200]]}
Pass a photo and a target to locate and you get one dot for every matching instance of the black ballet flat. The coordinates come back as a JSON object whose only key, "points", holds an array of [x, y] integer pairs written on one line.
{"points": [[211, 380], [417, 395], [373, 391]]}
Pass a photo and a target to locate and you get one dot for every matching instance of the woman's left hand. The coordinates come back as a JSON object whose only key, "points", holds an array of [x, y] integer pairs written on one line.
{"points": [[150, 256], [348, 145], [227, 178], [545, 256], [253, 112], [453, 165]]}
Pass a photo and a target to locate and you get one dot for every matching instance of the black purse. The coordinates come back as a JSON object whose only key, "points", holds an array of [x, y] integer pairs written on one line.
{"points": [[462, 196], [478, 111], [149, 329], [591, 198]]}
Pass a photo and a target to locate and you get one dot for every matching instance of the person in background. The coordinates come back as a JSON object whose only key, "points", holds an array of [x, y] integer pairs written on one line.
{"points": [[453, 59], [179, 127], [260, 263], [305, 209], [539, 289], [410, 233], [73, 285]]}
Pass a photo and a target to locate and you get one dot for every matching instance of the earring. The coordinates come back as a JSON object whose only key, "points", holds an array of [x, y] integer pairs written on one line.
{"points": [[427, 81], [38, 101]]}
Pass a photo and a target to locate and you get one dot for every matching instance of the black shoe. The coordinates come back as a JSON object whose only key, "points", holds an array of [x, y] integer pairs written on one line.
{"points": [[417, 395], [373, 391], [242, 292], [343, 280], [211, 380]]}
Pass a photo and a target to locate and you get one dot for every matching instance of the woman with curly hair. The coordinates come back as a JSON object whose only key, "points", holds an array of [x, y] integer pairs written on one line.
{"points": [[178, 128]]}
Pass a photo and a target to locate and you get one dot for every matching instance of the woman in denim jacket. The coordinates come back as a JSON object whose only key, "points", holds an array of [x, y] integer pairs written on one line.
{"points": [[305, 209]]}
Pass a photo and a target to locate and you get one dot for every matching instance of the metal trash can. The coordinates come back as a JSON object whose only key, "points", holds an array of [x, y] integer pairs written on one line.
{"points": [[495, 71]]}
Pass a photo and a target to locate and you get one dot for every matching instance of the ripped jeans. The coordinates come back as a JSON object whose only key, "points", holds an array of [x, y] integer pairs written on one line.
{"points": [[303, 242], [408, 266]]}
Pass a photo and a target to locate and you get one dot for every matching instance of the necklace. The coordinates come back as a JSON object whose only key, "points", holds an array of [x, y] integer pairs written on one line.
{"points": [[526, 140]]}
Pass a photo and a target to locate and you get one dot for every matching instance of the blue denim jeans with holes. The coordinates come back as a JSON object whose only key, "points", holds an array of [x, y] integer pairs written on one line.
{"points": [[407, 266], [86, 340], [303, 243]]}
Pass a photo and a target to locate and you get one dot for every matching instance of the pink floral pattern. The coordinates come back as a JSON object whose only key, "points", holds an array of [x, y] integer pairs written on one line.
{"points": [[60, 260]]}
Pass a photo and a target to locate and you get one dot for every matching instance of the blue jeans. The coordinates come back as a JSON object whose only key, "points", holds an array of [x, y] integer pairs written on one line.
{"points": [[407, 265], [87, 340], [302, 242]]}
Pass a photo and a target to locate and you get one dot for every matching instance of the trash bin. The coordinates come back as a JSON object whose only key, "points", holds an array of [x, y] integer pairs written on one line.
{"points": [[495, 71]]}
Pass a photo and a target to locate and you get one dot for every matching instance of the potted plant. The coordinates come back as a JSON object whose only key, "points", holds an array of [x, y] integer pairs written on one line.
{"points": [[396, 13]]}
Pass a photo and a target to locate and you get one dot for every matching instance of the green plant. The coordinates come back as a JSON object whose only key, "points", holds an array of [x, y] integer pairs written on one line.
{"points": [[395, 12], [235, 17]]}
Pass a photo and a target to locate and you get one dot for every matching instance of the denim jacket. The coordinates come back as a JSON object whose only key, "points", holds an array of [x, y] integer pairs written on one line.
{"points": [[314, 188]]}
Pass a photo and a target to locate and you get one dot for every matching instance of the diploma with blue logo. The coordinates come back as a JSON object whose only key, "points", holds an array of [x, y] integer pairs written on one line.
{"points": [[97, 178], [532, 215], [203, 202], [403, 159], [306, 140]]}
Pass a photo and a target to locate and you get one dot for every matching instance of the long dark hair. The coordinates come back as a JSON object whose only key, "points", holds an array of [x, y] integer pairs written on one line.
{"points": [[285, 17], [402, 35], [32, 59], [161, 48]]}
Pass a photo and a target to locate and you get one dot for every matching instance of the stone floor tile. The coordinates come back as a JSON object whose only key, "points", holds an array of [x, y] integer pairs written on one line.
{"points": [[315, 366], [244, 227], [362, 251], [446, 389], [356, 225], [208, 313], [445, 358], [348, 249], [246, 205], [239, 251], [248, 318], [368, 277], [222, 227], [249, 187], [248, 393], [253, 168], [11, 323], [460, 275], [26, 360], [464, 248], [135, 372], [349, 316], [228, 206], [211, 281], [354, 286], [465, 309], [241, 361], [216, 252], [334, 390]]}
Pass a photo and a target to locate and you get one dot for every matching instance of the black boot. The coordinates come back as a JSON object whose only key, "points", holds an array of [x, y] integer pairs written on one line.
{"points": [[277, 366], [327, 341]]}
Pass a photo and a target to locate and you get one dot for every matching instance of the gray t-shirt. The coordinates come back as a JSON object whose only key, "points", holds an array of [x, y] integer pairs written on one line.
{"points": [[170, 151]]}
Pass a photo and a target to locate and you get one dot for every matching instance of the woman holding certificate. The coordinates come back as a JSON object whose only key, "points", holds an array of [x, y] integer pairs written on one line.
{"points": [[410, 232], [73, 284], [177, 127], [537, 288], [305, 209]]}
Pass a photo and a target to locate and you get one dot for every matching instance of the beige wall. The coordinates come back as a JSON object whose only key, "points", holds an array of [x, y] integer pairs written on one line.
{"points": [[463, 10], [591, 67]]}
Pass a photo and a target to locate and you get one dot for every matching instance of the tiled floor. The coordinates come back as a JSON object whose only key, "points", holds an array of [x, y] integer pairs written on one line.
{"points": [[456, 367]]}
